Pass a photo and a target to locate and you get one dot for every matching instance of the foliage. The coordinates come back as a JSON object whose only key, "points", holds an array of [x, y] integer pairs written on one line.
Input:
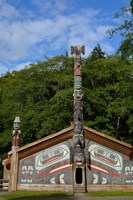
{"points": [[97, 53], [126, 31], [131, 5], [126, 48], [108, 96]]}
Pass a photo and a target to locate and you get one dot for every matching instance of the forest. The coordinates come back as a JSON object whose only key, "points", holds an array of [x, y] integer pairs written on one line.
{"points": [[42, 93]]}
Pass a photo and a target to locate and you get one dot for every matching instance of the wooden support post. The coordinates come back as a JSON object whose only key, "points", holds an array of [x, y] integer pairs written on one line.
{"points": [[13, 171]]}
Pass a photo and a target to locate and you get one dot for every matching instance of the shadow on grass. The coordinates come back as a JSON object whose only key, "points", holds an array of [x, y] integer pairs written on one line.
{"points": [[29, 195]]}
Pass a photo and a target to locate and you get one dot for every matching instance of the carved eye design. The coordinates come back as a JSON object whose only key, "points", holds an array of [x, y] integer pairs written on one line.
{"points": [[52, 156], [82, 139], [79, 157], [76, 138], [106, 156]]}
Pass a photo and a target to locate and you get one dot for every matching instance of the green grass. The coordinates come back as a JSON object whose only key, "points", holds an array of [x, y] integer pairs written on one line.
{"points": [[24, 195], [33, 195], [109, 194]]}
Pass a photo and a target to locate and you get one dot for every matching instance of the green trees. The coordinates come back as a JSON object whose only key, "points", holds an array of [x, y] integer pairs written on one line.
{"points": [[38, 94], [42, 96], [108, 97], [97, 53], [125, 30]]}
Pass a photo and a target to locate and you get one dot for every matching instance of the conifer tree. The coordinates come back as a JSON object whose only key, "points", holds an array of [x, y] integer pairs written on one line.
{"points": [[97, 53]]}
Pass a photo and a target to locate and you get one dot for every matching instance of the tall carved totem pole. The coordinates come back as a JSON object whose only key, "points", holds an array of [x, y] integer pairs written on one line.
{"points": [[14, 155], [77, 152]]}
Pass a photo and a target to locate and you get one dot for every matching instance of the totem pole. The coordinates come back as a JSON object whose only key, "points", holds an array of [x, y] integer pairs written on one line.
{"points": [[14, 155], [77, 152], [16, 133]]}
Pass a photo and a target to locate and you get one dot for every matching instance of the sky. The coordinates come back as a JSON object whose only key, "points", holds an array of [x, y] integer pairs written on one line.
{"points": [[30, 30]]}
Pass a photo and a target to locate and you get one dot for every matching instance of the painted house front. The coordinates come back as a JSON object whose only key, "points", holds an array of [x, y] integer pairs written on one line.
{"points": [[45, 164]]}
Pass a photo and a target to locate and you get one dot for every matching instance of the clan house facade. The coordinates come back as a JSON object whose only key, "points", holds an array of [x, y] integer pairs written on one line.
{"points": [[77, 159]]}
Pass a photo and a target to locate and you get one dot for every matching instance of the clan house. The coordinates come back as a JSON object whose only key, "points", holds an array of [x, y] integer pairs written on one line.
{"points": [[76, 159]]}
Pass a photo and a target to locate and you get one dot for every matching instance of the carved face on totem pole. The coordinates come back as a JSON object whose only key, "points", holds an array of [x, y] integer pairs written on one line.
{"points": [[16, 132], [78, 118], [78, 105], [78, 94], [77, 50], [79, 141], [77, 67], [79, 157], [16, 123], [77, 82]]}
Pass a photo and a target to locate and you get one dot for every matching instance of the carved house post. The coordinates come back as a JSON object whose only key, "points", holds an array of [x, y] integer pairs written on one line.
{"points": [[78, 150]]}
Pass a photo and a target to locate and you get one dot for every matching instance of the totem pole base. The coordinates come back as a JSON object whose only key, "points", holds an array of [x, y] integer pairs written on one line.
{"points": [[79, 185], [79, 189]]}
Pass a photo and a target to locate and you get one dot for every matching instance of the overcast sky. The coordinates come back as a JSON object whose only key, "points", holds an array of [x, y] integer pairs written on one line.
{"points": [[33, 29]]}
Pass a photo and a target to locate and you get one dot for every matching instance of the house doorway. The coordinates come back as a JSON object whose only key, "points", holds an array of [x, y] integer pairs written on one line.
{"points": [[79, 175]]}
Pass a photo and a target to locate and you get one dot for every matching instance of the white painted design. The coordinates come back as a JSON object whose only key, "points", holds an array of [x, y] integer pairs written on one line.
{"points": [[129, 174], [52, 180], [129, 170], [29, 180], [95, 181], [23, 180], [27, 169], [26, 180], [52, 156], [104, 181], [62, 181], [106, 156]]}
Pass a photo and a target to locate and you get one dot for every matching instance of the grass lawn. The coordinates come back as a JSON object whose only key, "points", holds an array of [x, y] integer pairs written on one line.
{"points": [[109, 194], [33, 194], [21, 195]]}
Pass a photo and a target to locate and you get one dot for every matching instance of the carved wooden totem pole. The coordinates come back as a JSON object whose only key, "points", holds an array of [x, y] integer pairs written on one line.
{"points": [[77, 152], [16, 133], [14, 155]]}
